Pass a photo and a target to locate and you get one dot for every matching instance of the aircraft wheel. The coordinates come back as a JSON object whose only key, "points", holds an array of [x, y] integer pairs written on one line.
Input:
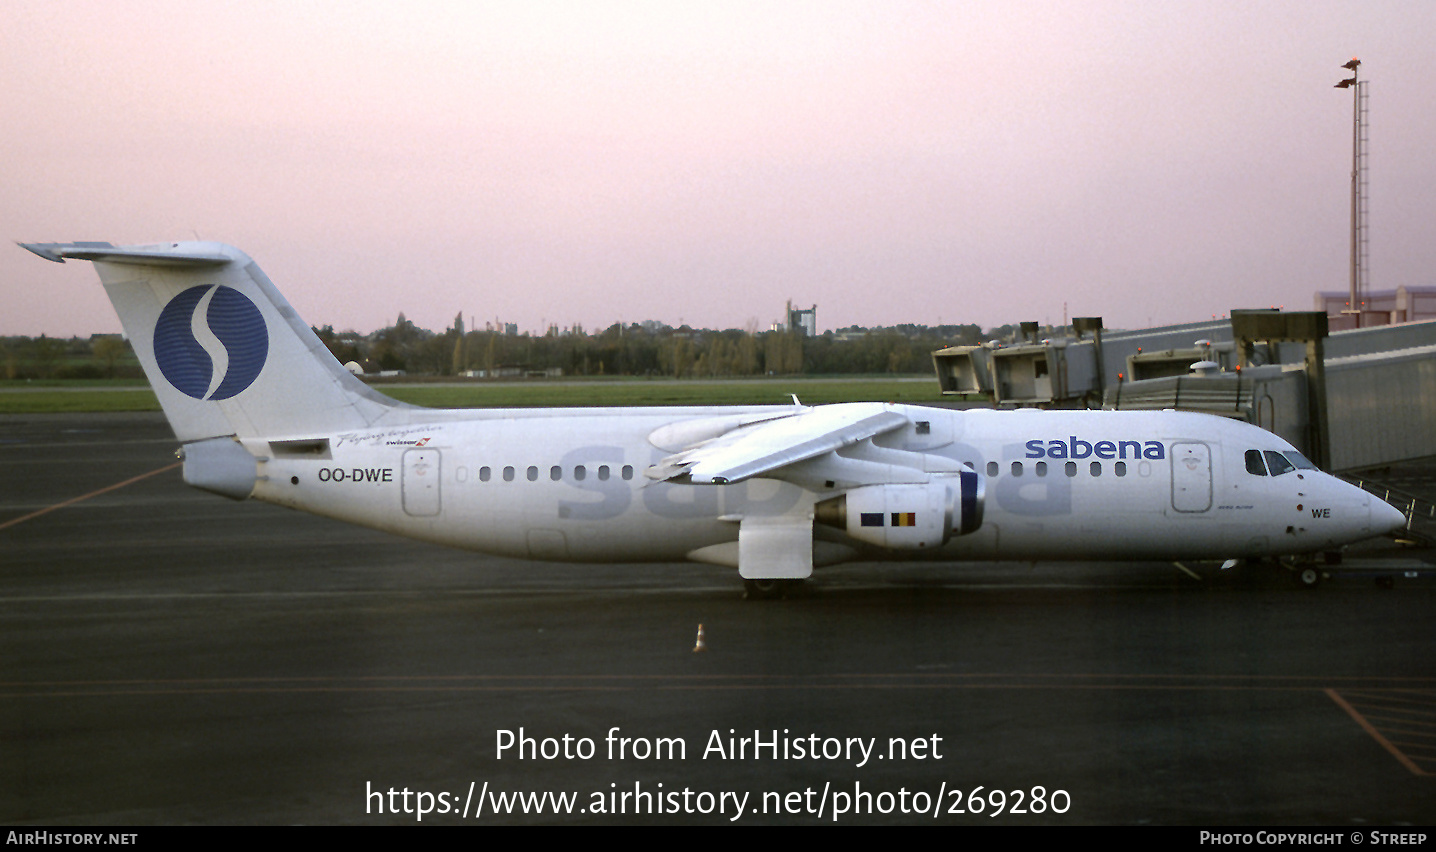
{"points": [[1308, 576], [767, 590]]}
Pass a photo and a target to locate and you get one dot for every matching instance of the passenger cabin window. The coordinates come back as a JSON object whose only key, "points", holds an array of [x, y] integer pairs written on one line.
{"points": [[484, 474], [533, 473], [992, 468], [579, 473], [1096, 468], [1255, 465], [555, 473], [1071, 468], [1041, 468], [508, 474]]}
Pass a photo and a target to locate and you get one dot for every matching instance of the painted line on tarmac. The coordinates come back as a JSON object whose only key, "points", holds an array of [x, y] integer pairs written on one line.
{"points": [[466, 683], [27, 445], [73, 500], [1375, 734], [448, 594]]}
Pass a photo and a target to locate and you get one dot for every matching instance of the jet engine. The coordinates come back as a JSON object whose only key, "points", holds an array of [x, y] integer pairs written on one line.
{"points": [[908, 516]]}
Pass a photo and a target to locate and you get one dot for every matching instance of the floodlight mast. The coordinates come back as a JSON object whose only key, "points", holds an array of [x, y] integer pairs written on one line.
{"points": [[1356, 300]]}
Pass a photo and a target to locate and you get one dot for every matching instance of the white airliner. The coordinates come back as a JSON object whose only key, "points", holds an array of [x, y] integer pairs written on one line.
{"points": [[264, 411]]}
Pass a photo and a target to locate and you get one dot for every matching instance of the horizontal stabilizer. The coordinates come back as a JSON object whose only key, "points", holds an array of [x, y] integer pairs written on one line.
{"points": [[165, 254]]}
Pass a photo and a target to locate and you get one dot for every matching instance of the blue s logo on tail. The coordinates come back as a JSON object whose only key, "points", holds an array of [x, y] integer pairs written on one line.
{"points": [[211, 342]]}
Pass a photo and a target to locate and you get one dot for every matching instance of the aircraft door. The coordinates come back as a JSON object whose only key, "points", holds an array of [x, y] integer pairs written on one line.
{"points": [[420, 482], [1191, 477]]}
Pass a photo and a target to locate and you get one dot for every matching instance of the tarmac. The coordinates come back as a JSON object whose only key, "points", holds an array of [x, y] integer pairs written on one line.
{"points": [[172, 657]]}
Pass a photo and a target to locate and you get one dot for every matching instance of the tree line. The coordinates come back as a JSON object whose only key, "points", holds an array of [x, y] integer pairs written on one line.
{"points": [[637, 349], [647, 349]]}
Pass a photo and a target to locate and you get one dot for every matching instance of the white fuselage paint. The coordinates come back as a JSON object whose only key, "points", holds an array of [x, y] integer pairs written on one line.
{"points": [[769, 490], [578, 491]]}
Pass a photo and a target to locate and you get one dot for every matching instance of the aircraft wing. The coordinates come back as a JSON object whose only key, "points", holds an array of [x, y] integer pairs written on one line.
{"points": [[761, 448]]}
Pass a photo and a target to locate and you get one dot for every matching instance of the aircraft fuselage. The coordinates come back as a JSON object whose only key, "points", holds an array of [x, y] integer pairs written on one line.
{"points": [[569, 484]]}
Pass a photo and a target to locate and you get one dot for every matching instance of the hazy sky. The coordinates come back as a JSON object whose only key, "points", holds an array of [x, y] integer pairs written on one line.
{"points": [[592, 162]]}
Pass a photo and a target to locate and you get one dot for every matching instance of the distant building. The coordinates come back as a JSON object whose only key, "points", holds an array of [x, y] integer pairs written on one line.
{"points": [[1383, 307], [804, 320]]}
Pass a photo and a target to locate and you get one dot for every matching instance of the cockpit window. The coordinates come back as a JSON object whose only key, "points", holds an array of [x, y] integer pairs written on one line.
{"points": [[1278, 463], [1301, 461], [1255, 465]]}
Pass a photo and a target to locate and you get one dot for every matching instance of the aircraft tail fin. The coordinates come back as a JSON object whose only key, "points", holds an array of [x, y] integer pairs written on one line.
{"points": [[224, 351]]}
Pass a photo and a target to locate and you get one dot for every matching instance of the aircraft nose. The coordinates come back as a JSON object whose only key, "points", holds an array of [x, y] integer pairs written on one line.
{"points": [[1386, 518]]}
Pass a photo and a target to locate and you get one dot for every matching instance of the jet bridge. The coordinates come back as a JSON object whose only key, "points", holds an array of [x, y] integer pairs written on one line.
{"points": [[1036, 373], [963, 370], [1040, 375], [1263, 366]]}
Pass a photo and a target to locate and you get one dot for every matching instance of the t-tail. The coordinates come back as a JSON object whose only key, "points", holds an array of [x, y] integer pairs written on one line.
{"points": [[227, 356]]}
